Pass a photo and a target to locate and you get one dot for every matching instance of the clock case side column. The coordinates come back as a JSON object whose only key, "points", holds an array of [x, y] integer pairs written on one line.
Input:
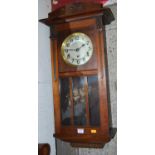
{"points": [[55, 79], [105, 108], [102, 81]]}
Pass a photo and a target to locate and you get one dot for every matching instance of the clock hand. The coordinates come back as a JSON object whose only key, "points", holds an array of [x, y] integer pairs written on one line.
{"points": [[77, 49], [82, 45], [71, 49]]}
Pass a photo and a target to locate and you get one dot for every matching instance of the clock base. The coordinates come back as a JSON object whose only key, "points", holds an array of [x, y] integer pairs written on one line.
{"points": [[88, 145], [95, 145]]}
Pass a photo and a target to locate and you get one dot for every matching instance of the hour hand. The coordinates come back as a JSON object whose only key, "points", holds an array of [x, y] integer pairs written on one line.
{"points": [[70, 49]]}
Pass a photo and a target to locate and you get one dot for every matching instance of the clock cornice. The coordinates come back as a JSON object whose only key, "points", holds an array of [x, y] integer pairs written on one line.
{"points": [[78, 11]]}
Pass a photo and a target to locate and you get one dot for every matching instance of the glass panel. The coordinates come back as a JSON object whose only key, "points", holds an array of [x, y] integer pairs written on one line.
{"points": [[79, 101], [93, 99], [65, 101]]}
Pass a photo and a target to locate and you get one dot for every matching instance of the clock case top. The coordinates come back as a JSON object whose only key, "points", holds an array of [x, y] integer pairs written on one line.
{"points": [[77, 17], [88, 18], [78, 11]]}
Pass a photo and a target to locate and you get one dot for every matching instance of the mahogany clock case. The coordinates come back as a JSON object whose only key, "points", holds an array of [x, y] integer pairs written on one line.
{"points": [[92, 128]]}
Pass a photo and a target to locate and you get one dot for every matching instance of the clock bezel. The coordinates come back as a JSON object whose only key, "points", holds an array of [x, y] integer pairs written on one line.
{"points": [[63, 45]]}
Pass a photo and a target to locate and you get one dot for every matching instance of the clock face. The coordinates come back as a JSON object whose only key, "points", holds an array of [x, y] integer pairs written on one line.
{"points": [[77, 49]]}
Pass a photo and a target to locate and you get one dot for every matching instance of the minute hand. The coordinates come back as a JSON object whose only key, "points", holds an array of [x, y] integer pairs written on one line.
{"points": [[71, 49], [77, 50]]}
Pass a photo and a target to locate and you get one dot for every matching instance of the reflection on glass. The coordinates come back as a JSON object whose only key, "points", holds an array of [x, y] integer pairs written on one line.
{"points": [[65, 101], [79, 101], [93, 99]]}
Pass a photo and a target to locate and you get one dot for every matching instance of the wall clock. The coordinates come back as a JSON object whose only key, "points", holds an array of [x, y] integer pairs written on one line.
{"points": [[79, 74]]}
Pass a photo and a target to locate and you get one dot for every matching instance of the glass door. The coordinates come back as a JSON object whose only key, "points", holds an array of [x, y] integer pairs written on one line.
{"points": [[79, 97]]}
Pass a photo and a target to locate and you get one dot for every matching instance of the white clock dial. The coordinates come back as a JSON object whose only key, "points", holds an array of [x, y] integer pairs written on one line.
{"points": [[77, 49]]}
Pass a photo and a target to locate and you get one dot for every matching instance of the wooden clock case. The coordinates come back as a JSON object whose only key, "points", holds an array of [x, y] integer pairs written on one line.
{"points": [[88, 18]]}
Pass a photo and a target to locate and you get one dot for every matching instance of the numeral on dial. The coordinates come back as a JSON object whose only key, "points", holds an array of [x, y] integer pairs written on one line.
{"points": [[71, 40], [68, 44], [66, 50], [78, 61], [68, 56], [90, 48], [77, 37]]}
